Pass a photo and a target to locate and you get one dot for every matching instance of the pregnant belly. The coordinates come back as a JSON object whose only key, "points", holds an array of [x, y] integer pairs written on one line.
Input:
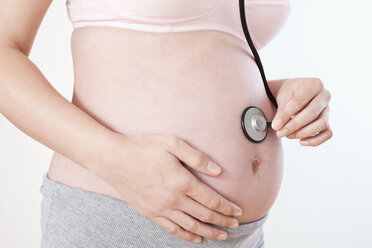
{"points": [[194, 85]]}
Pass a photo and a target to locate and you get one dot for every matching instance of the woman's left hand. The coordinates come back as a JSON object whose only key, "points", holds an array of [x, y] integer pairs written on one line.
{"points": [[303, 111]]}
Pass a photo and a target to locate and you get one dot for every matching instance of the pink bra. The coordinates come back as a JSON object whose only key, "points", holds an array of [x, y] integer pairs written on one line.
{"points": [[265, 18]]}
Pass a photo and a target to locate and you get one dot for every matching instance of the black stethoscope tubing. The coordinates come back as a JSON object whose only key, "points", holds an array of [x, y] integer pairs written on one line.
{"points": [[254, 51]]}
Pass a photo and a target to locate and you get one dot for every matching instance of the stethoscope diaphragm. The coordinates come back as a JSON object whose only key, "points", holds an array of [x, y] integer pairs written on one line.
{"points": [[254, 124]]}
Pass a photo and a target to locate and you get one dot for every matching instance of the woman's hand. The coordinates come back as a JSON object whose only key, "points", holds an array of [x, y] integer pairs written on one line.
{"points": [[146, 171], [303, 111]]}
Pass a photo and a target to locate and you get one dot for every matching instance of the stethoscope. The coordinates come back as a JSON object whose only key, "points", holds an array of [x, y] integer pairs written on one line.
{"points": [[254, 123]]}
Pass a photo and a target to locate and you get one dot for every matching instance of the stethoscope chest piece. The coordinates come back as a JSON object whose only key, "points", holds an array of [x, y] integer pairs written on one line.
{"points": [[254, 124]]}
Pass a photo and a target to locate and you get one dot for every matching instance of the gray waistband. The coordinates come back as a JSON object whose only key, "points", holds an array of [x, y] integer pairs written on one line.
{"points": [[99, 220]]}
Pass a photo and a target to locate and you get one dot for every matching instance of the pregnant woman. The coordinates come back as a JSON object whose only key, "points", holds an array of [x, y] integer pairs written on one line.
{"points": [[150, 151]]}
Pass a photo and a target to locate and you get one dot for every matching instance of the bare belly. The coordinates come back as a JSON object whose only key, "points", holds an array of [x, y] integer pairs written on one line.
{"points": [[194, 85]]}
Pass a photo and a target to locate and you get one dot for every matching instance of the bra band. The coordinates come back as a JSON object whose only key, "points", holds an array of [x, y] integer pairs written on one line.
{"points": [[255, 53]]}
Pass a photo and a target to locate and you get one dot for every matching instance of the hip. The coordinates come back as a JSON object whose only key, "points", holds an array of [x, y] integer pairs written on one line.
{"points": [[73, 217]]}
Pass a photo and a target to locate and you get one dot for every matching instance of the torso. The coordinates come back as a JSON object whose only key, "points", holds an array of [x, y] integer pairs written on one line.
{"points": [[191, 84]]}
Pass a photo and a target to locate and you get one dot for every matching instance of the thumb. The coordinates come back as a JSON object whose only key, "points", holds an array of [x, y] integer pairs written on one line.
{"points": [[283, 97], [193, 157]]}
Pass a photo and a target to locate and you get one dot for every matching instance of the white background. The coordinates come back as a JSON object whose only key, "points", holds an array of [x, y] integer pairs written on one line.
{"points": [[326, 194]]}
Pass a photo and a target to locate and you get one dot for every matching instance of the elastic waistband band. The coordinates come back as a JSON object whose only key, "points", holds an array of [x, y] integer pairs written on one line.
{"points": [[59, 191]]}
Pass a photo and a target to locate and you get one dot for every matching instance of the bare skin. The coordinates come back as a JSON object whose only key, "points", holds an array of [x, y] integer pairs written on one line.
{"points": [[138, 123], [193, 85], [303, 111]]}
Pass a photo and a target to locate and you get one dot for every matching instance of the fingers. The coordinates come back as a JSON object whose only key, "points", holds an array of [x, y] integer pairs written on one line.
{"points": [[192, 225], [205, 195], [319, 125], [307, 115], [295, 103], [318, 139], [175, 229], [192, 157], [204, 214]]}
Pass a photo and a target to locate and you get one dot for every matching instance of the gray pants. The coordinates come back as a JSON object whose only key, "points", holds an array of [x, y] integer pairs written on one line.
{"points": [[72, 218]]}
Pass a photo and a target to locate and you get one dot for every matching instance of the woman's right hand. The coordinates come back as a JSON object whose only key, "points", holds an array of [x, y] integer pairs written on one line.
{"points": [[148, 174]]}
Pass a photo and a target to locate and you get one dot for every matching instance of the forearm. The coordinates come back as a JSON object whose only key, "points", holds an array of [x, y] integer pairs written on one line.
{"points": [[275, 85], [30, 102]]}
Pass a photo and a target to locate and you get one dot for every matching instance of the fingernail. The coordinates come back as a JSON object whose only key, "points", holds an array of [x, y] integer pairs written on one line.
{"points": [[222, 236], [212, 167], [235, 224], [291, 136], [282, 132], [196, 240], [304, 142], [277, 123], [237, 211]]}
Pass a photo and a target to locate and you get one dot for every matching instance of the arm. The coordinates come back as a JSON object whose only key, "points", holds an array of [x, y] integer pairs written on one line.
{"points": [[29, 101]]}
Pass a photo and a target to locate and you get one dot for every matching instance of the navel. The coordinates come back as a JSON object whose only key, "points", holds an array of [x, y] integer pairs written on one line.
{"points": [[256, 161]]}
